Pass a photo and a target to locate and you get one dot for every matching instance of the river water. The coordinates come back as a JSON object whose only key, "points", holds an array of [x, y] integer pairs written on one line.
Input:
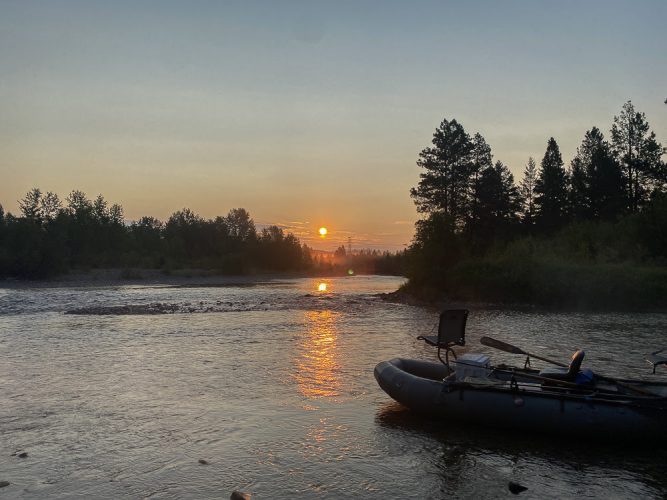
{"points": [[271, 384]]}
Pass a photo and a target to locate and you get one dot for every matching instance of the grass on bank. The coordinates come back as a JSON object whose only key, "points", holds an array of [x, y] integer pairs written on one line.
{"points": [[585, 266]]}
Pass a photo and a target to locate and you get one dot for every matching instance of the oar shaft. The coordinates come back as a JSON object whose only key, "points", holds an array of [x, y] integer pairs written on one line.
{"points": [[564, 383], [546, 359], [504, 346], [573, 385]]}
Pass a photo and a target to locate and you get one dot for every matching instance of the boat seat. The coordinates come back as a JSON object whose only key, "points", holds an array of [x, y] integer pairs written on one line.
{"points": [[568, 374], [451, 332]]}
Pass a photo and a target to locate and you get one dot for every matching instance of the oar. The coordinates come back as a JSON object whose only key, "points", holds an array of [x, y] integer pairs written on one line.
{"points": [[562, 383], [503, 346], [573, 385], [488, 341]]}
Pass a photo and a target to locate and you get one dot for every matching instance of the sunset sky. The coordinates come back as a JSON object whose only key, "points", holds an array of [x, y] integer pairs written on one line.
{"points": [[307, 114]]}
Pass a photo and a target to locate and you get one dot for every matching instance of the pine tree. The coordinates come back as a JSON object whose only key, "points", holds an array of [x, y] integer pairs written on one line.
{"points": [[481, 159], [527, 194], [607, 190], [579, 201], [551, 189], [596, 180], [640, 155], [444, 186], [498, 203]]}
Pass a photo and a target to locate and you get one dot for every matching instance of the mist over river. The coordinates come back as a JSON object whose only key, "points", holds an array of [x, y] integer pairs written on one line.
{"points": [[120, 391]]}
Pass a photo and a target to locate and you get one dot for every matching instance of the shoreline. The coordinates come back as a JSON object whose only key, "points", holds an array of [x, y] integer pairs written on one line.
{"points": [[146, 277], [156, 277], [441, 303]]}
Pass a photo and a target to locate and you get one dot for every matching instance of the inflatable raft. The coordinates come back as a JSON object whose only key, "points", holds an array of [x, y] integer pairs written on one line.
{"points": [[506, 399], [566, 400]]}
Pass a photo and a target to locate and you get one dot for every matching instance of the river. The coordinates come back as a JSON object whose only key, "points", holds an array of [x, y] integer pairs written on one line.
{"points": [[270, 383]]}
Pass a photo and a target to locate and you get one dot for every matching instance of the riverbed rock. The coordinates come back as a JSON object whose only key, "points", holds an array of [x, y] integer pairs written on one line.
{"points": [[23, 454], [239, 495], [516, 488], [203, 462], [4, 483]]}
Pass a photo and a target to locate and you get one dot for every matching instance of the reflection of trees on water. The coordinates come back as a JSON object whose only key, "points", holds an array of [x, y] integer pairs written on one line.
{"points": [[472, 461], [317, 366]]}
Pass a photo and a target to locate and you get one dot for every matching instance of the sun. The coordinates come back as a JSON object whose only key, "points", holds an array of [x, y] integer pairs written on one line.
{"points": [[323, 231]]}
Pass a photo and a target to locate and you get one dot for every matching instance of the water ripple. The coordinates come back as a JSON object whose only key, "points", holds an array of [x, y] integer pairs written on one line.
{"points": [[119, 392]]}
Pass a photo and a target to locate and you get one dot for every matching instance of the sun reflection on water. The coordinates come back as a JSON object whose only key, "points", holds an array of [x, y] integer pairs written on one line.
{"points": [[317, 363]]}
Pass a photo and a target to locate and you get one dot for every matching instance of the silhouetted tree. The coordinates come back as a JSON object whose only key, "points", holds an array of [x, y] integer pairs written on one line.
{"points": [[435, 249], [100, 210], [444, 186], [579, 203], [607, 191], [241, 226], [597, 189], [481, 159], [30, 206], [79, 206], [277, 251], [527, 194], [79, 229], [116, 214], [637, 151], [50, 206], [183, 235], [147, 242], [551, 189], [306, 257], [497, 205]]}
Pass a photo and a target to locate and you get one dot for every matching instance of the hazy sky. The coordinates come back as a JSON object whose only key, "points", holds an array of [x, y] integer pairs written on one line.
{"points": [[305, 113]]}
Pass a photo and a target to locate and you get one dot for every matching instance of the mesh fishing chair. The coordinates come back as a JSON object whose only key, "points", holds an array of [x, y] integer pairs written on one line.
{"points": [[451, 332]]}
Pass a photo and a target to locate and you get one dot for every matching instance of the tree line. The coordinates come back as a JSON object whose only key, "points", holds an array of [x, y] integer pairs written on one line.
{"points": [[474, 211], [50, 237]]}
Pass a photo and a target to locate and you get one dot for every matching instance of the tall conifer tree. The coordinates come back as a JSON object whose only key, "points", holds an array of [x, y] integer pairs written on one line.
{"points": [[640, 155], [579, 200], [596, 180], [551, 189], [444, 185], [527, 193], [481, 159], [498, 203]]}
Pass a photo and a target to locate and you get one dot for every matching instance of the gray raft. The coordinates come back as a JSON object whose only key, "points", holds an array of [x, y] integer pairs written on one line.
{"points": [[516, 398]]}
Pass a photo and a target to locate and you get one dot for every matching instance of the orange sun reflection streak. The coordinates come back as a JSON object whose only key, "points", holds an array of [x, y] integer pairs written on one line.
{"points": [[317, 364]]}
